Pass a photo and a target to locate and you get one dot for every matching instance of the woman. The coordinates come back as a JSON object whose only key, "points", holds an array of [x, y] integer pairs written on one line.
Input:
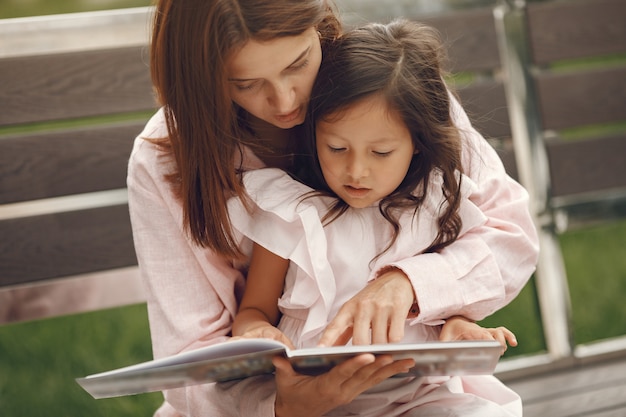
{"points": [[234, 80]]}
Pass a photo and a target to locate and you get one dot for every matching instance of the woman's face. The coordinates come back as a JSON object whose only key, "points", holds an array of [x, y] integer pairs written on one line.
{"points": [[364, 152], [273, 80]]}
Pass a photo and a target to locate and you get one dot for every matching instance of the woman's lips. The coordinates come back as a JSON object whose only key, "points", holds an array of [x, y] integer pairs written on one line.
{"points": [[289, 117]]}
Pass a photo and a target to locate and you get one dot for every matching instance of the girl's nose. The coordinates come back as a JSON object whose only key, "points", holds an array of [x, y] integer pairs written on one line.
{"points": [[357, 168]]}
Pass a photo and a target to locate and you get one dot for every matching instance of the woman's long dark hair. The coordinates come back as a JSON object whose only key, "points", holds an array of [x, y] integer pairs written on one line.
{"points": [[402, 62], [192, 41]]}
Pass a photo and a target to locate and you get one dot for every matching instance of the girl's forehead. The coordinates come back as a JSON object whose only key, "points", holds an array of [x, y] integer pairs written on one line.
{"points": [[375, 105], [257, 59]]}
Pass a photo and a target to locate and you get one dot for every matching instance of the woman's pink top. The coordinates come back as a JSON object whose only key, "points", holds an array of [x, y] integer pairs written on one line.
{"points": [[192, 294]]}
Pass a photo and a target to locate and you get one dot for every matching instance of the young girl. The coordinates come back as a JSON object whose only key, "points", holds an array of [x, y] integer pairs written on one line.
{"points": [[387, 164]]}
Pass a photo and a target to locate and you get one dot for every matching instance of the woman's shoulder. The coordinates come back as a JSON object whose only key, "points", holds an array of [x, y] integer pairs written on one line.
{"points": [[150, 163], [146, 151]]}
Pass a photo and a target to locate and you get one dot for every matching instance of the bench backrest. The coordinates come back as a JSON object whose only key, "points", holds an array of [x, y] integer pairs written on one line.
{"points": [[62, 184], [590, 92], [75, 92]]}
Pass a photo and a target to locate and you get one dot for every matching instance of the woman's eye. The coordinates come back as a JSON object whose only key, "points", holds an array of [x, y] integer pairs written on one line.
{"points": [[300, 65], [336, 150], [245, 87], [382, 154]]}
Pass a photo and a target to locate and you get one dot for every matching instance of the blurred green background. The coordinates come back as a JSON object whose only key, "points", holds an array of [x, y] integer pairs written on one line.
{"points": [[20, 8], [40, 359]]}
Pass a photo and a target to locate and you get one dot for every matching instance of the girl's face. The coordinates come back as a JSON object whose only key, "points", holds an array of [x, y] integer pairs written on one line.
{"points": [[273, 80], [366, 153]]}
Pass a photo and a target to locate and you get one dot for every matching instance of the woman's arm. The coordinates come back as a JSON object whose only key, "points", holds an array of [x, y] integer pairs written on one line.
{"points": [[191, 292], [487, 267], [479, 273], [258, 311]]}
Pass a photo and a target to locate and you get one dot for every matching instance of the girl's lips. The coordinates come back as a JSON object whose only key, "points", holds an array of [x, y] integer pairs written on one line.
{"points": [[286, 118], [356, 192]]}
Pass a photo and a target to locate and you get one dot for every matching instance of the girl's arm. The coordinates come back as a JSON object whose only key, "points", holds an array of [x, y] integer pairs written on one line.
{"points": [[258, 311]]}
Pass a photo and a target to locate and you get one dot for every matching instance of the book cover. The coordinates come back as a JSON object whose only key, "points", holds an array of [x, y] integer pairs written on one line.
{"points": [[242, 358]]}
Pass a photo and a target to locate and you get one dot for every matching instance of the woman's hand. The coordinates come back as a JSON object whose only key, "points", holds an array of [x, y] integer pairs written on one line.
{"points": [[382, 307], [460, 328], [312, 396]]}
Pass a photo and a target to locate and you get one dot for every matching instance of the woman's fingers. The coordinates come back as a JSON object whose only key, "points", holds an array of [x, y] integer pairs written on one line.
{"points": [[310, 396], [374, 315], [339, 330]]}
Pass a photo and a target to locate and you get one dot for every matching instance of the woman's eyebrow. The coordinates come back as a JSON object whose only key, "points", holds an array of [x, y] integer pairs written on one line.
{"points": [[302, 55]]}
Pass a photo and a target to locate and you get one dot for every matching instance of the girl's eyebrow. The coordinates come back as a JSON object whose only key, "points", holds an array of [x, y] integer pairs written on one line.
{"points": [[302, 55]]}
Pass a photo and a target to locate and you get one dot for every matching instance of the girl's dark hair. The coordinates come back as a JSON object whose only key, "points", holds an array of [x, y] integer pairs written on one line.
{"points": [[402, 62], [191, 42]]}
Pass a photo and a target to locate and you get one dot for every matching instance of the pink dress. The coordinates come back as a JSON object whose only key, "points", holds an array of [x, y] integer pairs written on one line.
{"points": [[192, 293], [330, 264]]}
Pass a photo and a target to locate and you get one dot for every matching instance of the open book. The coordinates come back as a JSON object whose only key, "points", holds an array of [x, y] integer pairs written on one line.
{"points": [[242, 358]]}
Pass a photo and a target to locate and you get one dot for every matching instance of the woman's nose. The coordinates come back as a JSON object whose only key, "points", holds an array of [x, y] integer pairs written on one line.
{"points": [[283, 97]]}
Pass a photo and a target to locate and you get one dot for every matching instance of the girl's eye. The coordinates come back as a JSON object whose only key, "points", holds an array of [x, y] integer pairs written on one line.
{"points": [[382, 154], [336, 150]]}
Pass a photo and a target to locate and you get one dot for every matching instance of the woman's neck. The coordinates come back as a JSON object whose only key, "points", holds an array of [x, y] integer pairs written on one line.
{"points": [[272, 145]]}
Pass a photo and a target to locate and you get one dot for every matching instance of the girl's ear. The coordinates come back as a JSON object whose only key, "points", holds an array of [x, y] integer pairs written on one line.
{"points": [[416, 151]]}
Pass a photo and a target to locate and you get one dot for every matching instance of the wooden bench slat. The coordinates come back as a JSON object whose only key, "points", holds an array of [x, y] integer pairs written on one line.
{"points": [[470, 37], [74, 85], [585, 402], [587, 165], [561, 382], [573, 99], [507, 155], [485, 104], [573, 29], [64, 244], [68, 162]]}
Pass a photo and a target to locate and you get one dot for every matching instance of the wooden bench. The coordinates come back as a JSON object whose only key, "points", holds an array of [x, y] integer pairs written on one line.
{"points": [[75, 92], [565, 72], [70, 112]]}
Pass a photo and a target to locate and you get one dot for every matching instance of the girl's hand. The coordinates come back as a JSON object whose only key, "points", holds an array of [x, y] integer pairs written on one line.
{"points": [[460, 328], [265, 331], [382, 307], [313, 396]]}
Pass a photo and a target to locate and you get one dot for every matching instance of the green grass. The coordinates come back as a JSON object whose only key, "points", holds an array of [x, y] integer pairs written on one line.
{"points": [[595, 260], [39, 361], [21, 8]]}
